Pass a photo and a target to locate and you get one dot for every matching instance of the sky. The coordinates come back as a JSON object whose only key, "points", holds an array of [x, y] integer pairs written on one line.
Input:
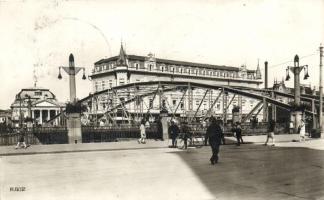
{"points": [[37, 37]]}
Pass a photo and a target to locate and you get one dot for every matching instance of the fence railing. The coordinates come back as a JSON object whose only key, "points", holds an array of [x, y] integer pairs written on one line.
{"points": [[36, 135], [59, 135], [247, 129], [110, 133]]}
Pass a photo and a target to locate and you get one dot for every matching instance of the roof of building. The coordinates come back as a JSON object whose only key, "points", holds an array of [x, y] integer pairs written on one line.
{"points": [[172, 62]]}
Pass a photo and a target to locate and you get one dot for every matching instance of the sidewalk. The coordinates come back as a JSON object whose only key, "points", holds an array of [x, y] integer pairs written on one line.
{"points": [[281, 141]]}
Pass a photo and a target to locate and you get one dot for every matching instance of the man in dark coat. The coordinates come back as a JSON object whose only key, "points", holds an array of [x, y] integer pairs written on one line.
{"points": [[185, 134], [173, 132], [238, 133], [214, 134], [159, 128]]}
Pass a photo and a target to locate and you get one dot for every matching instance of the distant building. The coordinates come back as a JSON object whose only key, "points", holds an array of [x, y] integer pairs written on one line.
{"points": [[35, 103], [281, 87], [5, 117]]}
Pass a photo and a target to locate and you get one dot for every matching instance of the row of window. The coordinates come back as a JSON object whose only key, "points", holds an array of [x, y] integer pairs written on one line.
{"points": [[178, 69]]}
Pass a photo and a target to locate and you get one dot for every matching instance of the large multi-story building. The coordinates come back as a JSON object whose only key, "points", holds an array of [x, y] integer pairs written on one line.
{"points": [[125, 69]]}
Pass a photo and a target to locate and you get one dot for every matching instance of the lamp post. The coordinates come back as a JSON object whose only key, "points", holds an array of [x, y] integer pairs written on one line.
{"points": [[296, 115], [72, 71], [321, 93], [73, 110]]}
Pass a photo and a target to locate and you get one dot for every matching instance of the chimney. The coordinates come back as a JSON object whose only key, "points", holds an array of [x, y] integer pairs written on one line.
{"points": [[266, 74]]}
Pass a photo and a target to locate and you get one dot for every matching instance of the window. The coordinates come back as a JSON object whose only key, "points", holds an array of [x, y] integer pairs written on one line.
{"points": [[110, 83], [218, 106], [96, 86], [174, 102], [150, 67], [38, 93], [103, 85], [136, 65], [121, 81], [151, 103], [182, 106], [197, 103]]}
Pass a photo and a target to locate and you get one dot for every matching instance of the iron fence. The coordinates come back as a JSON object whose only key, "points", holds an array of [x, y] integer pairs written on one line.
{"points": [[35, 135], [260, 128], [115, 133]]}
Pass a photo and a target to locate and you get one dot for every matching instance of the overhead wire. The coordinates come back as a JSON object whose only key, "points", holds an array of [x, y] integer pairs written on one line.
{"points": [[286, 62]]}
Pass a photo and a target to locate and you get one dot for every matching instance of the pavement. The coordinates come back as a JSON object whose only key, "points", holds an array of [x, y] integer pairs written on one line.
{"points": [[281, 140], [128, 170]]}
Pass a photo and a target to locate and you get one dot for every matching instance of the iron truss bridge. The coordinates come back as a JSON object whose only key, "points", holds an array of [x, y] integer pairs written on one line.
{"points": [[119, 98]]}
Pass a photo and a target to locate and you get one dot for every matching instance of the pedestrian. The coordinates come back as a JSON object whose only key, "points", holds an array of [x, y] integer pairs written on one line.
{"points": [[220, 122], [141, 140], [21, 140], [302, 131], [238, 133], [270, 134], [185, 134], [291, 127], [214, 134], [159, 128], [173, 132]]}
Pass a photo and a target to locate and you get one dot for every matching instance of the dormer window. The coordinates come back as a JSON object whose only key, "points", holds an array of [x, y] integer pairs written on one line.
{"points": [[136, 65], [38, 93]]}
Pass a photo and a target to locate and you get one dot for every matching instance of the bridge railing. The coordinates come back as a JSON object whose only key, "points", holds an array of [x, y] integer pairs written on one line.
{"points": [[115, 133], [35, 135], [260, 128]]}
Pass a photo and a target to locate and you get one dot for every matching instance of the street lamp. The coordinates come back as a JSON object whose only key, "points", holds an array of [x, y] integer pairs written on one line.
{"points": [[72, 71], [296, 69], [297, 114]]}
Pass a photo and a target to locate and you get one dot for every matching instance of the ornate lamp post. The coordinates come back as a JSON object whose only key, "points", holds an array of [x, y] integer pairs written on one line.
{"points": [[297, 114], [73, 109], [72, 71]]}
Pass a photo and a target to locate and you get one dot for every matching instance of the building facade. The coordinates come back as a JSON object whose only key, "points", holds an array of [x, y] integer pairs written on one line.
{"points": [[125, 69], [37, 104]]}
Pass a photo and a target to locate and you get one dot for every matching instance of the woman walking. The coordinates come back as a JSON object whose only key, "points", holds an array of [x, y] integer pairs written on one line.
{"points": [[302, 131], [142, 132]]}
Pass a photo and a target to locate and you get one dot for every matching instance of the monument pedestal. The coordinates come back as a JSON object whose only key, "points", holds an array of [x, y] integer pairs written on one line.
{"points": [[165, 126], [73, 124]]}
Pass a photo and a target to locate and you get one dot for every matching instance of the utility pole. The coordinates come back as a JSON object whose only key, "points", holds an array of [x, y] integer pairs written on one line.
{"points": [[321, 93]]}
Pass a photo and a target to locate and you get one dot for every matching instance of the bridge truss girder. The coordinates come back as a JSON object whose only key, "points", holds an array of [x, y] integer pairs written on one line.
{"points": [[134, 91]]}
